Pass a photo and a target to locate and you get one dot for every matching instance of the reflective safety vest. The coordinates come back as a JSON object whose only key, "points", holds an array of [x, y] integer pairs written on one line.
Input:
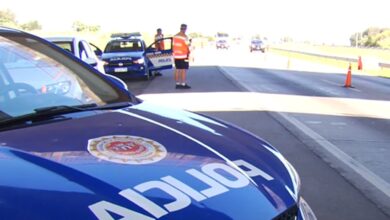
{"points": [[180, 47], [160, 45]]}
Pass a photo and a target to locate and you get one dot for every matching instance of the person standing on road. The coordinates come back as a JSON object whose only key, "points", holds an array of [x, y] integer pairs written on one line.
{"points": [[158, 37], [159, 45], [181, 52]]}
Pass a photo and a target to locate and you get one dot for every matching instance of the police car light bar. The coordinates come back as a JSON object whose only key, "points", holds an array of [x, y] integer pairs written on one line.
{"points": [[126, 35]]}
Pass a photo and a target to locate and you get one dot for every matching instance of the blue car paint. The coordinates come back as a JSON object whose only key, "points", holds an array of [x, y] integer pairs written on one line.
{"points": [[90, 179]]}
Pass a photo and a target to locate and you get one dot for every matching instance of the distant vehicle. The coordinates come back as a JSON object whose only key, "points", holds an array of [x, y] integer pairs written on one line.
{"points": [[222, 40], [126, 56], [222, 44], [257, 45], [86, 52]]}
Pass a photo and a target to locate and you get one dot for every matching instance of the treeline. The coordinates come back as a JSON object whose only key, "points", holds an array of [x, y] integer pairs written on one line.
{"points": [[372, 37], [8, 19], [79, 26]]}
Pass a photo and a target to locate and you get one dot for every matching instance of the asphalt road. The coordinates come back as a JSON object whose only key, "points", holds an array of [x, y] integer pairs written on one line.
{"points": [[246, 96]]}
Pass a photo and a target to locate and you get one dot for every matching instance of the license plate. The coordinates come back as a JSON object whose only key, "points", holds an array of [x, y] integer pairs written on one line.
{"points": [[120, 69]]}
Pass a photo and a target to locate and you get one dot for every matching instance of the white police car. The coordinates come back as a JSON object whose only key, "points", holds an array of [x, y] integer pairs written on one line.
{"points": [[127, 56], [80, 48], [73, 145], [86, 52]]}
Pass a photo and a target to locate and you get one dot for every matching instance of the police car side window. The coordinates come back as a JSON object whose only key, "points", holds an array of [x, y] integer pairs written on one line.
{"points": [[88, 49], [136, 45], [113, 46], [82, 52]]}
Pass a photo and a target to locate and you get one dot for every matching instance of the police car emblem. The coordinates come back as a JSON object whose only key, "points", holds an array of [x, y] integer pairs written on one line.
{"points": [[126, 149]]}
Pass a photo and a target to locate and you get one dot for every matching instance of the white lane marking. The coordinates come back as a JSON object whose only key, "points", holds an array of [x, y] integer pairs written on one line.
{"points": [[330, 92], [338, 123], [314, 122], [357, 167], [355, 89], [330, 82], [364, 172], [269, 89]]}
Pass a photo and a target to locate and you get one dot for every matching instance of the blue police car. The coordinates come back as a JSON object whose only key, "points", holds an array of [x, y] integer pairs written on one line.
{"points": [[73, 145], [127, 56]]}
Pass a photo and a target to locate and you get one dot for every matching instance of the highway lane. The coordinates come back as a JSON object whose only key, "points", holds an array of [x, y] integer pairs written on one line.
{"points": [[327, 186], [348, 127]]}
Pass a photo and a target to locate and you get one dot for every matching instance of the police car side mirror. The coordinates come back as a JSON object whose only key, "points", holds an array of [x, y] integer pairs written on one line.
{"points": [[151, 49], [98, 52]]}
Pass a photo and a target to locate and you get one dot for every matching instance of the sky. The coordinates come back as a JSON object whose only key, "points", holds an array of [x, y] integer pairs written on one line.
{"points": [[327, 21]]}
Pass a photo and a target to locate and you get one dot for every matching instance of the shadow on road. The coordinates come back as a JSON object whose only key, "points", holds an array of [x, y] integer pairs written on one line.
{"points": [[303, 95]]}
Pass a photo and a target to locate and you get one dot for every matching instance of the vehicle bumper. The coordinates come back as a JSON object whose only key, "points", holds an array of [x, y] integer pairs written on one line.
{"points": [[128, 71], [257, 48], [222, 46]]}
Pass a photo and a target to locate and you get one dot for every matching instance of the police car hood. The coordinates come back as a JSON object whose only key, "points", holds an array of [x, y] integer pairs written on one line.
{"points": [[142, 163], [108, 56]]}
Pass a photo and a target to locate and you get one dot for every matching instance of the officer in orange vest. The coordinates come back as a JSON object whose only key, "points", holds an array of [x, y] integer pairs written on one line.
{"points": [[159, 45], [158, 37], [181, 52]]}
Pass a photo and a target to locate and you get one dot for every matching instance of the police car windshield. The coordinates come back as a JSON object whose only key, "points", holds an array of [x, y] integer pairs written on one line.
{"points": [[35, 75], [115, 46]]}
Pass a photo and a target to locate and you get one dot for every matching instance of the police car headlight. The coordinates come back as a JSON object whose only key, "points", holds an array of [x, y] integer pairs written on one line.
{"points": [[296, 181], [139, 61], [306, 212]]}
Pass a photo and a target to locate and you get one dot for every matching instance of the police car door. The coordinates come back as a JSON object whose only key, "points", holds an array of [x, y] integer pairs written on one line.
{"points": [[160, 54]]}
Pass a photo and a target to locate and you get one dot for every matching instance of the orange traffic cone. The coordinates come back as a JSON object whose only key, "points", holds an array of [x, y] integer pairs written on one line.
{"points": [[348, 80], [360, 63]]}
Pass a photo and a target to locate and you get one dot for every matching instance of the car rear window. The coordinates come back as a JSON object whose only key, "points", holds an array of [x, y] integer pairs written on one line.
{"points": [[65, 45], [124, 46]]}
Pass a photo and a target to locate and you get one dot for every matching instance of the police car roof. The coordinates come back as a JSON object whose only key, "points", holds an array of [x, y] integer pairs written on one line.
{"points": [[7, 29], [61, 39], [134, 35]]}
